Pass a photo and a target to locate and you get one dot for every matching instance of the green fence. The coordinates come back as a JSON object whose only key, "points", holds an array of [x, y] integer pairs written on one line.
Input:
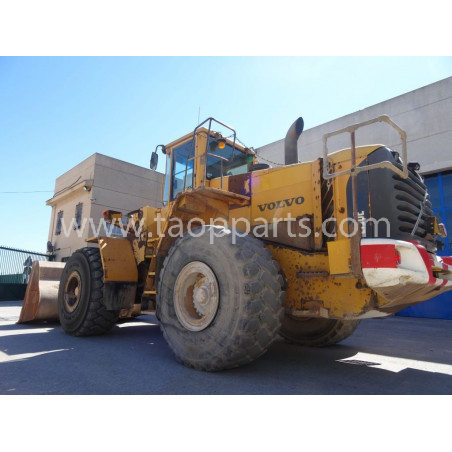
{"points": [[15, 269]]}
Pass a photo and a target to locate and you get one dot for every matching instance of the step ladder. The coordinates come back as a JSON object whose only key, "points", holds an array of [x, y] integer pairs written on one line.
{"points": [[152, 245]]}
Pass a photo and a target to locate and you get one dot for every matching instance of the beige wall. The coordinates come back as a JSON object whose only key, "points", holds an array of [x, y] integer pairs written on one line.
{"points": [[121, 185], [75, 176], [113, 184], [66, 245]]}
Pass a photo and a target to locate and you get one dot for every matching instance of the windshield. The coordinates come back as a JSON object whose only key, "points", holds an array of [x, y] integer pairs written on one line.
{"points": [[216, 167]]}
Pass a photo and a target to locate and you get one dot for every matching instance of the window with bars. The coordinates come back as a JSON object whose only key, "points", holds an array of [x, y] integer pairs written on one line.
{"points": [[58, 223], [78, 215]]}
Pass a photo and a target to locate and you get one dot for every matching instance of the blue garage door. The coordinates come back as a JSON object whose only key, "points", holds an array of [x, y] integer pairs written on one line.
{"points": [[440, 189]]}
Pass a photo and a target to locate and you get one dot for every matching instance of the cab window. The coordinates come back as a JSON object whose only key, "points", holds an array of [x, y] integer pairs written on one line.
{"points": [[216, 166], [182, 174]]}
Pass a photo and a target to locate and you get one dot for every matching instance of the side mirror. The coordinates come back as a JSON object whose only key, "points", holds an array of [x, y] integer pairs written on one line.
{"points": [[154, 161]]}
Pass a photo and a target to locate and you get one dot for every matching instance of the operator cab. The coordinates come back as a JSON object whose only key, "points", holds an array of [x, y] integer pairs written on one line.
{"points": [[200, 157]]}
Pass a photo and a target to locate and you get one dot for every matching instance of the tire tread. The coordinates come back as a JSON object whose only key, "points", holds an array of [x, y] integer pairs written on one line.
{"points": [[262, 313], [97, 319]]}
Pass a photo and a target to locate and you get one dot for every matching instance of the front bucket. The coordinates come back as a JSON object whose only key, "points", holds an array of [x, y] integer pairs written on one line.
{"points": [[41, 296]]}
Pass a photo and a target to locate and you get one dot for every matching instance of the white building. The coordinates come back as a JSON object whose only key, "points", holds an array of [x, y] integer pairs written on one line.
{"points": [[425, 114]]}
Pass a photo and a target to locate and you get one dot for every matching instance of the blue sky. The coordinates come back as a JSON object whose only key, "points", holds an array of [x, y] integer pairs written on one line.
{"points": [[56, 111]]}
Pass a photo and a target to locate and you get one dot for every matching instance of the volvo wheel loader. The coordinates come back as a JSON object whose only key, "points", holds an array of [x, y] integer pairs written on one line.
{"points": [[241, 251]]}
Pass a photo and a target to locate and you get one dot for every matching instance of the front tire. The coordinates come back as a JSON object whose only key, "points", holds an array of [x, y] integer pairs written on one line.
{"points": [[316, 332], [80, 296], [219, 304]]}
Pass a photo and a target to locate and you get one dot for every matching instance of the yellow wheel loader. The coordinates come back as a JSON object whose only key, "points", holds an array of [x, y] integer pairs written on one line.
{"points": [[241, 251]]}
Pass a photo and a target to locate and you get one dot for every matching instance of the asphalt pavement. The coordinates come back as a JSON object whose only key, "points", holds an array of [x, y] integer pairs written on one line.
{"points": [[395, 355]]}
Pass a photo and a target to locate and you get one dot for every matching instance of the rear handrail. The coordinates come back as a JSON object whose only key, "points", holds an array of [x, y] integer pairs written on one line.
{"points": [[353, 168], [207, 153], [354, 171]]}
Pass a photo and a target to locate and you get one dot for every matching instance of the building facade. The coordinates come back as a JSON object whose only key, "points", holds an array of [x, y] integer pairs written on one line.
{"points": [[426, 116], [96, 184]]}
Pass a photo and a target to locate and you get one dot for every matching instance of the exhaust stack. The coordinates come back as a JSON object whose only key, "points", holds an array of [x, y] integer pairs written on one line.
{"points": [[290, 142]]}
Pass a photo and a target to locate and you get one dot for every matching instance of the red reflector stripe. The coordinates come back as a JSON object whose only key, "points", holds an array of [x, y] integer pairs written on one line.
{"points": [[379, 256], [428, 261]]}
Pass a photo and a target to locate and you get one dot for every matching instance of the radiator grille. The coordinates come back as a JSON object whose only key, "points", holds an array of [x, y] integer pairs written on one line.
{"points": [[414, 209]]}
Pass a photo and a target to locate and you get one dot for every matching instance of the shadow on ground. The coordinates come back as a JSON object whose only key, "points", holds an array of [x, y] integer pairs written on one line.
{"points": [[384, 356]]}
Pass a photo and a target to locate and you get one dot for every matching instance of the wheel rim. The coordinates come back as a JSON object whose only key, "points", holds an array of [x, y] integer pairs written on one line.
{"points": [[196, 296], [72, 291]]}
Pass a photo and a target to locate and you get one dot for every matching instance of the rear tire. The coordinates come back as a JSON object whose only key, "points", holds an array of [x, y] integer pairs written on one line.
{"points": [[80, 296], [220, 304], [316, 332]]}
